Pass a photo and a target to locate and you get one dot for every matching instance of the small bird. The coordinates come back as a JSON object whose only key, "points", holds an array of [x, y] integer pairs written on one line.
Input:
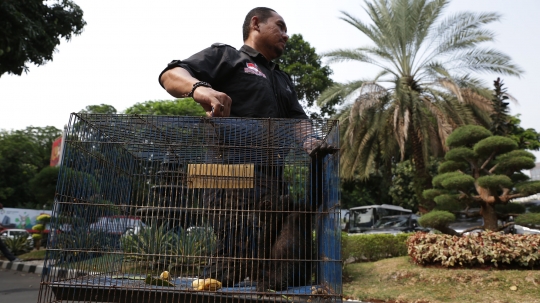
{"points": [[157, 281], [165, 276]]}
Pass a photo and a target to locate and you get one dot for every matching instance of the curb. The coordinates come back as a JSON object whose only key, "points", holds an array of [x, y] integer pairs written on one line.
{"points": [[21, 266], [43, 270]]}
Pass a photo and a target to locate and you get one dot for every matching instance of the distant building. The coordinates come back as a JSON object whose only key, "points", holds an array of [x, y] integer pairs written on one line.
{"points": [[535, 172]]}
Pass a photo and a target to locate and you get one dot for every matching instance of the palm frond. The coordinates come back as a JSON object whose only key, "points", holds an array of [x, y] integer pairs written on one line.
{"points": [[342, 55], [337, 93], [401, 128], [451, 86], [462, 28], [427, 16], [444, 127], [485, 60], [369, 31], [371, 93]]}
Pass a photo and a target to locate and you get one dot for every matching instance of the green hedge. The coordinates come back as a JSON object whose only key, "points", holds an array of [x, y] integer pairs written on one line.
{"points": [[374, 247]]}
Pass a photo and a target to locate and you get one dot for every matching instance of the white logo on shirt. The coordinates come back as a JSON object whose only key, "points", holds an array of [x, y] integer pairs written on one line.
{"points": [[252, 68]]}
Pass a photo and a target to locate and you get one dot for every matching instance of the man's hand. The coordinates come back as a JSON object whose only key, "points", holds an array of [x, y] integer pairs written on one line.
{"points": [[178, 82], [318, 148], [216, 104]]}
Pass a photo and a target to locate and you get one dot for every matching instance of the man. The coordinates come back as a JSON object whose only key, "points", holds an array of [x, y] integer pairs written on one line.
{"points": [[242, 83], [239, 83]]}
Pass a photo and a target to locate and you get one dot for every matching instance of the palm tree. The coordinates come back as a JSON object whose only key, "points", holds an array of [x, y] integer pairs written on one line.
{"points": [[424, 89]]}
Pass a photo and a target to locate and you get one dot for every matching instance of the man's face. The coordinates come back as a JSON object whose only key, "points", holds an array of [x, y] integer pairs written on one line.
{"points": [[273, 35]]}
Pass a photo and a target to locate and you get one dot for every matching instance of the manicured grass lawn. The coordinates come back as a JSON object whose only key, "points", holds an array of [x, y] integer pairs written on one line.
{"points": [[33, 255], [399, 280]]}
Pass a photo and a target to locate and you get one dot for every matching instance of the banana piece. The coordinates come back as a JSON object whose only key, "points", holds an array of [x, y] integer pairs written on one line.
{"points": [[206, 284]]}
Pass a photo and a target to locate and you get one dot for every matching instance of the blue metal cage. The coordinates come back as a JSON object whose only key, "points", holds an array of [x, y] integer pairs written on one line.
{"points": [[196, 209]]}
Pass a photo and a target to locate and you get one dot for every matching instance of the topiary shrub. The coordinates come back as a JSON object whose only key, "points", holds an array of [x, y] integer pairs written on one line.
{"points": [[528, 188], [489, 176], [436, 219], [528, 219], [503, 145], [448, 202], [467, 135], [495, 182], [534, 209], [510, 208], [451, 166]]}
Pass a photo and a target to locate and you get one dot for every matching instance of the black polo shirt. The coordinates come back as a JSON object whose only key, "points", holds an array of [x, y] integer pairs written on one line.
{"points": [[257, 87]]}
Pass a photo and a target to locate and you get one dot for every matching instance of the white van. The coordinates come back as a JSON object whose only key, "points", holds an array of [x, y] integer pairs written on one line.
{"points": [[363, 218]]}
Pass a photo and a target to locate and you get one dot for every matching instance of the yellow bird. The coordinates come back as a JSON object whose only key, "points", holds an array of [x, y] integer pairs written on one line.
{"points": [[165, 276]]}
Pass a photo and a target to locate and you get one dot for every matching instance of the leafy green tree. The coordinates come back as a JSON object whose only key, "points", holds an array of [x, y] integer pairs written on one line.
{"points": [[484, 169], [43, 138], [309, 76], [99, 109], [18, 164], [360, 192], [43, 185], [503, 124], [402, 189], [424, 89], [501, 112], [178, 107], [23, 153], [526, 138], [30, 31]]}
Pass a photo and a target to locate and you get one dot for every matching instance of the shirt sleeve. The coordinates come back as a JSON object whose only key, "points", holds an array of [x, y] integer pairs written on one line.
{"points": [[208, 65]]}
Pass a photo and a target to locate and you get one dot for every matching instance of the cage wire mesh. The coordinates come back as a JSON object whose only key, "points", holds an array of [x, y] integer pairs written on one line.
{"points": [[193, 209]]}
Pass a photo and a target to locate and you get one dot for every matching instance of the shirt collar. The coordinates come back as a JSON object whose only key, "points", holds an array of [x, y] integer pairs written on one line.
{"points": [[250, 51]]}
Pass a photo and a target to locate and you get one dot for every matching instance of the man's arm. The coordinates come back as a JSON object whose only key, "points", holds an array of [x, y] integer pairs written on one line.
{"points": [[178, 82]]}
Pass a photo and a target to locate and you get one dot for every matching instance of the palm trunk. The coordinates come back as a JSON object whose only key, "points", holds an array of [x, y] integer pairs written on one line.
{"points": [[422, 179]]}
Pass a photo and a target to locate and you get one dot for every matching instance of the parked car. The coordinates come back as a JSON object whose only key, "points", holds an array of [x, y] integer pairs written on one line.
{"points": [[16, 233], [463, 223], [363, 218], [117, 224], [523, 230], [396, 224]]}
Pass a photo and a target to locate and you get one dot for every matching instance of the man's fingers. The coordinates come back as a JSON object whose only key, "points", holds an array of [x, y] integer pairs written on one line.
{"points": [[221, 105], [226, 103], [215, 103]]}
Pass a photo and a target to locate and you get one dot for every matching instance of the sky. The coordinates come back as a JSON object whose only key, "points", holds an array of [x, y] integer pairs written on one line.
{"points": [[126, 44]]}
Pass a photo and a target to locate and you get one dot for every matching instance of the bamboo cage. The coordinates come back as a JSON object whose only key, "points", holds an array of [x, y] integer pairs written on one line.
{"points": [[194, 209]]}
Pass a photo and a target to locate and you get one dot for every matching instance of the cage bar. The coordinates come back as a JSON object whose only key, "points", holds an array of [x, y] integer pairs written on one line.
{"points": [[195, 209]]}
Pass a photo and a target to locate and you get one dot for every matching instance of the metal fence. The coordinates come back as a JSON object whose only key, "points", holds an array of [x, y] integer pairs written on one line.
{"points": [[192, 209]]}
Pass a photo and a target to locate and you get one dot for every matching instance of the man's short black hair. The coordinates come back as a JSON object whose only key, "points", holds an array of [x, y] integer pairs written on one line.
{"points": [[263, 13]]}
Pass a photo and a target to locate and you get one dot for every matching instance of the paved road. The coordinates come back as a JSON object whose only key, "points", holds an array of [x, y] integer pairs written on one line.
{"points": [[19, 287]]}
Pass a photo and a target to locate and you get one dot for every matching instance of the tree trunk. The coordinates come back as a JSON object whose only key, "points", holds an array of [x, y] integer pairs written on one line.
{"points": [[422, 179], [489, 215]]}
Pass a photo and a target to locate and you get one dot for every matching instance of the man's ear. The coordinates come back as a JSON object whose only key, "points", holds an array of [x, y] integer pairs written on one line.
{"points": [[254, 23]]}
